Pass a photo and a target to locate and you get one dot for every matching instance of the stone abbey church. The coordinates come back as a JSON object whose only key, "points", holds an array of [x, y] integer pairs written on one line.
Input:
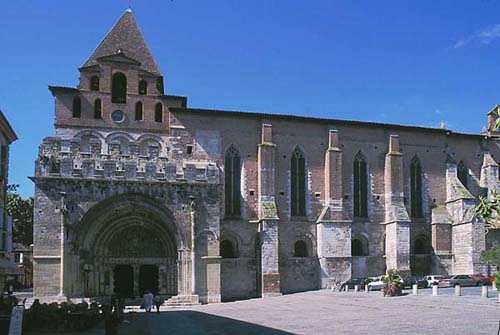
{"points": [[136, 191]]}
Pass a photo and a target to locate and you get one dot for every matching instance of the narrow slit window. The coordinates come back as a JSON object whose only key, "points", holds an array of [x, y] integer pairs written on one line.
{"points": [[298, 183], [119, 88], [97, 109], [416, 188], [94, 83], [143, 87], [360, 186], [462, 173], [159, 112], [138, 111], [77, 107], [232, 171]]}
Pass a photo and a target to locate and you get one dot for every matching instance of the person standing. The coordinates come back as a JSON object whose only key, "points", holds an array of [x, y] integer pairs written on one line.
{"points": [[148, 301], [158, 302]]}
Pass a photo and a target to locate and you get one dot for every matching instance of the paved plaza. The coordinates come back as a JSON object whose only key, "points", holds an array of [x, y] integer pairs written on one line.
{"points": [[323, 312]]}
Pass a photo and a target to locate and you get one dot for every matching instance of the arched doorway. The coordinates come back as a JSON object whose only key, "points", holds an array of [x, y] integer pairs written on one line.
{"points": [[130, 244]]}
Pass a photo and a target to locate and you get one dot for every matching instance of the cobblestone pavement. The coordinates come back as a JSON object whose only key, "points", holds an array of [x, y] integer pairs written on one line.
{"points": [[323, 312]]}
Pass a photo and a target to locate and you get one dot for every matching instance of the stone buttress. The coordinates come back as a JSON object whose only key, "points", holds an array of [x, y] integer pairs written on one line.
{"points": [[333, 226], [468, 232], [397, 221], [268, 216]]}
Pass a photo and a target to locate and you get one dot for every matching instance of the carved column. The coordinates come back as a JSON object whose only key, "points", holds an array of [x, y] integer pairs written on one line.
{"points": [[334, 226], [268, 215]]}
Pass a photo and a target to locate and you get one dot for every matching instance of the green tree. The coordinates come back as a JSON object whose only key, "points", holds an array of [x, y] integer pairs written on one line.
{"points": [[21, 211], [492, 255], [489, 209]]}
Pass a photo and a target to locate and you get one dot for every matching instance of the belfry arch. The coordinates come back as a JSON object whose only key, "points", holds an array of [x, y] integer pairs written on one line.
{"points": [[129, 244]]}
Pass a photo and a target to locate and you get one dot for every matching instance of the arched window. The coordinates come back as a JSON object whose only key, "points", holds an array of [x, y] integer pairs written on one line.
{"points": [[119, 88], [87, 141], [94, 83], [232, 172], [300, 249], [360, 186], [97, 109], [420, 246], [77, 107], [138, 111], [159, 84], [462, 173], [159, 112], [124, 144], [227, 249], [416, 188], [143, 87], [359, 246], [147, 146], [298, 183]]}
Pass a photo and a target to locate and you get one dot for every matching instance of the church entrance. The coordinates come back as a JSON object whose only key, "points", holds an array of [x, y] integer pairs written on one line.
{"points": [[148, 279], [123, 280]]}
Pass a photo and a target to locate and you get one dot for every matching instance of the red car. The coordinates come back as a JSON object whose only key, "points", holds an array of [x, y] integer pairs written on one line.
{"points": [[482, 279]]}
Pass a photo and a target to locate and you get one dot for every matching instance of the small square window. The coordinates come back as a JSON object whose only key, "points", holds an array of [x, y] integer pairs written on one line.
{"points": [[189, 149]]}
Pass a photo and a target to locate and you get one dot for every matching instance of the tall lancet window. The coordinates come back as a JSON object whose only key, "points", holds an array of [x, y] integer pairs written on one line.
{"points": [[298, 184], [360, 186], [416, 188], [232, 171], [119, 88], [462, 173]]}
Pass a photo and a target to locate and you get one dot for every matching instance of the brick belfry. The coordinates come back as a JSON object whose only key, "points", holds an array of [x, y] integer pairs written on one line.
{"points": [[397, 221]]}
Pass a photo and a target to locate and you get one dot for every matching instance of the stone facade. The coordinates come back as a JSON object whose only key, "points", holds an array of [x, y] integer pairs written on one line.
{"points": [[8, 268], [127, 202]]}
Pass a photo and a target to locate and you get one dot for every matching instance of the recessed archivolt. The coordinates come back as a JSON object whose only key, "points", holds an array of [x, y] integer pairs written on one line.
{"points": [[117, 135], [112, 215]]}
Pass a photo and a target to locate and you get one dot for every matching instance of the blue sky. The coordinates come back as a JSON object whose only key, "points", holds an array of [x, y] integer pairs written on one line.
{"points": [[405, 62]]}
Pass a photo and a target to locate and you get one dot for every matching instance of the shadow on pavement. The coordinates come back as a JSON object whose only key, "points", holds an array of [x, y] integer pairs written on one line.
{"points": [[191, 322]]}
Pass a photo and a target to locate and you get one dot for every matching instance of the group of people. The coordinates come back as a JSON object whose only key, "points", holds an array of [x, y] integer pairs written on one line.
{"points": [[148, 299]]}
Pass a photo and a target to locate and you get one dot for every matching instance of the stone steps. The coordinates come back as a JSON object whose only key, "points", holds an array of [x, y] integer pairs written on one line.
{"points": [[183, 301]]}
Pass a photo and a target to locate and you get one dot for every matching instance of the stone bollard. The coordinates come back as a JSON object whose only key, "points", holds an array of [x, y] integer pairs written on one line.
{"points": [[346, 289], [484, 292], [414, 289], [366, 289], [498, 296], [356, 288], [435, 289], [494, 287], [458, 290]]}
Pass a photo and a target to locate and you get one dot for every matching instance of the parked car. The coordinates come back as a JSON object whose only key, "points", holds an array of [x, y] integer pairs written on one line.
{"points": [[376, 283], [462, 280], [361, 282], [410, 281], [433, 279], [481, 279]]}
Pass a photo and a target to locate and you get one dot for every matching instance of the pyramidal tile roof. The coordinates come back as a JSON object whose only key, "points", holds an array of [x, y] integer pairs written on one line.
{"points": [[125, 37]]}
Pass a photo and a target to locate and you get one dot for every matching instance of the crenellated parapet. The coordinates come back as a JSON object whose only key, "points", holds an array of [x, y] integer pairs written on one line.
{"points": [[63, 158]]}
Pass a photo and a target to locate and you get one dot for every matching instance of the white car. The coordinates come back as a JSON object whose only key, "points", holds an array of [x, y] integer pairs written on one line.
{"points": [[433, 279], [377, 283]]}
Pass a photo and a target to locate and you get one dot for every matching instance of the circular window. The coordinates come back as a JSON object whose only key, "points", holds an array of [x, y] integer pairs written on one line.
{"points": [[118, 116]]}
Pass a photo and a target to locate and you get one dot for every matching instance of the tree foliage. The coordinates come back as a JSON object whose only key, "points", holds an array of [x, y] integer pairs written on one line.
{"points": [[492, 255], [489, 208], [21, 211]]}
